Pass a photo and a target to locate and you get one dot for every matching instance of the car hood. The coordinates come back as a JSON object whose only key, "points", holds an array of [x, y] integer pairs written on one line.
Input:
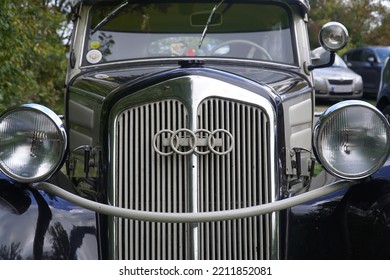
{"points": [[334, 73], [107, 81]]}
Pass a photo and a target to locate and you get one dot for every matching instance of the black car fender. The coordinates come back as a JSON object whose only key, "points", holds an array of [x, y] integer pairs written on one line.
{"points": [[37, 225], [353, 223]]}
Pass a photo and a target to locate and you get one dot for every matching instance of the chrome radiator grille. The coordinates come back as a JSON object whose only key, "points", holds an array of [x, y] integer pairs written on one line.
{"points": [[145, 180]]}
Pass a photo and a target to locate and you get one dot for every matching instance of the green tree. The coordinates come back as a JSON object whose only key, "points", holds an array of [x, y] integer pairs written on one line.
{"points": [[381, 33], [32, 55], [366, 20], [321, 12]]}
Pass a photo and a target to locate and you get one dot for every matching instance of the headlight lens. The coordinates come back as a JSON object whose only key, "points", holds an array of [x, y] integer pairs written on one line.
{"points": [[351, 139], [32, 143]]}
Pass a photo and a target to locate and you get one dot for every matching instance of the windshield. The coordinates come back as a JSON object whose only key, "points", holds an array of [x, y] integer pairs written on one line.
{"points": [[383, 53], [150, 30], [339, 62]]}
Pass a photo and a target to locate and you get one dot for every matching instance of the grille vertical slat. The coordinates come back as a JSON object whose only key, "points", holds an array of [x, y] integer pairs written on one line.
{"points": [[148, 181], [153, 178]]}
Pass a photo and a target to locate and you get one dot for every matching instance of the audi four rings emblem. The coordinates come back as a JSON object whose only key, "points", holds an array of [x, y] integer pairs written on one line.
{"points": [[185, 141]]}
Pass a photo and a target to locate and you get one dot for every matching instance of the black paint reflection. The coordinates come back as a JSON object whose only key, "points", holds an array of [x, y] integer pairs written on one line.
{"points": [[35, 225]]}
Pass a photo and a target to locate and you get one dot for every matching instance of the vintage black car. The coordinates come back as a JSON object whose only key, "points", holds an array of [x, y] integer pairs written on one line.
{"points": [[190, 133]]}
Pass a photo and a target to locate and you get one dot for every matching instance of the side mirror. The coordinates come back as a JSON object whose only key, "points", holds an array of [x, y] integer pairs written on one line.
{"points": [[371, 59], [333, 37]]}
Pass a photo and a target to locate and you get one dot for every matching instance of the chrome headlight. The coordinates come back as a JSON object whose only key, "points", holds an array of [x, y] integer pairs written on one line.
{"points": [[351, 139], [32, 143], [333, 36]]}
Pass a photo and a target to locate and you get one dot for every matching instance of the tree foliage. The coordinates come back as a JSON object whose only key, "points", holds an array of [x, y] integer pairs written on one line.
{"points": [[367, 21], [33, 54]]}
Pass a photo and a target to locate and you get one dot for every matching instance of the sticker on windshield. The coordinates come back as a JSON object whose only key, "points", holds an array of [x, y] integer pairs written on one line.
{"points": [[95, 45], [94, 56]]}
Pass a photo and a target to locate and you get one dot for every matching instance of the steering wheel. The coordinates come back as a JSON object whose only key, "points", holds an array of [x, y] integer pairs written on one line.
{"points": [[254, 47]]}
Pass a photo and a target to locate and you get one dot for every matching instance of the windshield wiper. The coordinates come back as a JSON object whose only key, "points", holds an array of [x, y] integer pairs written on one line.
{"points": [[109, 16], [208, 23]]}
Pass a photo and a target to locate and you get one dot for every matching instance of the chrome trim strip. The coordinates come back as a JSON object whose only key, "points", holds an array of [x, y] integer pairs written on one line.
{"points": [[193, 217], [176, 61]]}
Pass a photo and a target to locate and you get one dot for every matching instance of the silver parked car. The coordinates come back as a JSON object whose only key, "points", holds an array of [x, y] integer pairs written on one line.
{"points": [[336, 81]]}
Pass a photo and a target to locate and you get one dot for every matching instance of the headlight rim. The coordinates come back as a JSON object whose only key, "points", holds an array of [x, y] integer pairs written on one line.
{"points": [[331, 28], [319, 126], [56, 121]]}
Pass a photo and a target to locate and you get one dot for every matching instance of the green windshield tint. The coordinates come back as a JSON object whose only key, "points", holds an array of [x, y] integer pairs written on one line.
{"points": [[192, 17]]}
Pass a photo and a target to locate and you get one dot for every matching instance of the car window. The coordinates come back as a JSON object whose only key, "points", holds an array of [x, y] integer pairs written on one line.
{"points": [[355, 55], [144, 30]]}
